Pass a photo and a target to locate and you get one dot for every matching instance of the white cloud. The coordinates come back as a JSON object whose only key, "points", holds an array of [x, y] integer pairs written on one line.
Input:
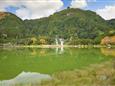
{"points": [[33, 9], [5, 3], [23, 13], [78, 3], [107, 13]]}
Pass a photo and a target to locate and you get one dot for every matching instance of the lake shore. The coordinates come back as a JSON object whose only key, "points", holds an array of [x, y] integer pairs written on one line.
{"points": [[57, 46]]}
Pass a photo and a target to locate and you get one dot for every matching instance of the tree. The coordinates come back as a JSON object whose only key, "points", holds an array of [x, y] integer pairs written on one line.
{"points": [[34, 40]]}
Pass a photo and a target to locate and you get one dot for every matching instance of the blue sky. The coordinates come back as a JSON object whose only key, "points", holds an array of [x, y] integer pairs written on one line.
{"points": [[22, 8], [100, 4], [11, 9], [67, 3], [91, 5]]}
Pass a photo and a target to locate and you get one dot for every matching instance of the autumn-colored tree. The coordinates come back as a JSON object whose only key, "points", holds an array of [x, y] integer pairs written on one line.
{"points": [[42, 40], [105, 40], [2, 15], [108, 40], [34, 40]]}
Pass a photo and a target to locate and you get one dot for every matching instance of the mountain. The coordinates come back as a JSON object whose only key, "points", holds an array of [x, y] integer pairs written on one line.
{"points": [[70, 23], [112, 23], [11, 27], [76, 26]]}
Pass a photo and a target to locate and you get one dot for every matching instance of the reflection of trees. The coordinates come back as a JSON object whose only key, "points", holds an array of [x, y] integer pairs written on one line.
{"points": [[38, 52], [41, 52], [108, 51], [33, 53], [45, 52]]}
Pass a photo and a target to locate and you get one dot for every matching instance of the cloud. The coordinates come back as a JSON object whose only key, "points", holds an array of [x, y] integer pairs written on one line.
{"points": [[33, 9], [6, 3], [23, 13], [108, 12], [78, 3]]}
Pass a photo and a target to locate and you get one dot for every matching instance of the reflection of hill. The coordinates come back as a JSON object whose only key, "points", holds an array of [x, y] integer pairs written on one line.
{"points": [[108, 51], [25, 79], [13, 62]]}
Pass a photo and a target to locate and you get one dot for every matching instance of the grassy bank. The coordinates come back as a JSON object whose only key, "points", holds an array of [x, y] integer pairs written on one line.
{"points": [[95, 75]]}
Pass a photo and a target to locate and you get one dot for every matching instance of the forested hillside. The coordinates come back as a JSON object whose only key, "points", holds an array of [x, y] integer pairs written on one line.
{"points": [[112, 23], [11, 27], [75, 26]]}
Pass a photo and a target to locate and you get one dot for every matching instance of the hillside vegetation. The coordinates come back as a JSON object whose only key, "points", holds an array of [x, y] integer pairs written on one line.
{"points": [[11, 27], [75, 26]]}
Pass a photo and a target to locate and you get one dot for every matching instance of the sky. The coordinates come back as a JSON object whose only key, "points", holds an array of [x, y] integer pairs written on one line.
{"points": [[32, 9]]}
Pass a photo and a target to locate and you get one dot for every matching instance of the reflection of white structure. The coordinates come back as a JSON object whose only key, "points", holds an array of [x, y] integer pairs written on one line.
{"points": [[59, 50], [25, 79]]}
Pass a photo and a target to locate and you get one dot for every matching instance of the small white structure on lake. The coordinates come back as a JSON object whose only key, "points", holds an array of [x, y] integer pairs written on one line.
{"points": [[61, 41], [56, 40]]}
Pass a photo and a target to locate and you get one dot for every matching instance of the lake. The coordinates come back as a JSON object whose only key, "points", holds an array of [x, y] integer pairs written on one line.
{"points": [[18, 67]]}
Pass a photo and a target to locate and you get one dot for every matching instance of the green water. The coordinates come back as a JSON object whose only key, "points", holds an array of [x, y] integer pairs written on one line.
{"points": [[47, 61]]}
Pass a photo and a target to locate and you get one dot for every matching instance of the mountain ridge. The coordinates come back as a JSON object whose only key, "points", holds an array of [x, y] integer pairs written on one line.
{"points": [[69, 24]]}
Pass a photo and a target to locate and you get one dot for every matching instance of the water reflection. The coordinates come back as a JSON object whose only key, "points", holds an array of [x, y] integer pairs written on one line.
{"points": [[45, 52], [38, 52], [33, 52], [47, 61], [59, 50], [26, 79], [108, 51]]}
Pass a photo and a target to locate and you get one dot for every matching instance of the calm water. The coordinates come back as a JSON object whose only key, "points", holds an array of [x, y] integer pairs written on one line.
{"points": [[31, 65]]}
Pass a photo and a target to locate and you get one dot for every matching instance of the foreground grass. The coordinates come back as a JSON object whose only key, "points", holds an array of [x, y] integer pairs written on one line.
{"points": [[95, 75]]}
